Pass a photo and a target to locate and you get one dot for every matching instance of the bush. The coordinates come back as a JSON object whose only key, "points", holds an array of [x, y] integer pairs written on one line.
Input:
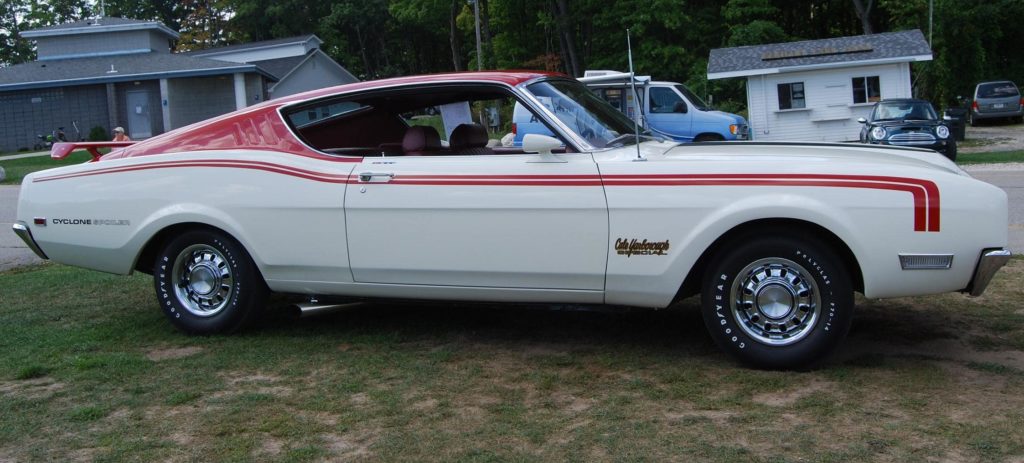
{"points": [[98, 133]]}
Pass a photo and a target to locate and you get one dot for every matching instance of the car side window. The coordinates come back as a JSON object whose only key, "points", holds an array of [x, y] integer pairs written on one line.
{"points": [[467, 126], [664, 100]]}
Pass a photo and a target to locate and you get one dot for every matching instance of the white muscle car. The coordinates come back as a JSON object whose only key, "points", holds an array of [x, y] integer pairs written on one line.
{"points": [[391, 189]]}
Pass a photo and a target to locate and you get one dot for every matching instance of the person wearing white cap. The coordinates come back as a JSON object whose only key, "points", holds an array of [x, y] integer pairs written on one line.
{"points": [[119, 134]]}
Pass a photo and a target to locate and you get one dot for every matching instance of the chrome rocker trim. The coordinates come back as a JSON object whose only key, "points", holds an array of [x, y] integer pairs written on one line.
{"points": [[21, 229], [990, 262]]}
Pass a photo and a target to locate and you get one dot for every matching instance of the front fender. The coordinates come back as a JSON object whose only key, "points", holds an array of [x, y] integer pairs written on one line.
{"points": [[643, 281]]}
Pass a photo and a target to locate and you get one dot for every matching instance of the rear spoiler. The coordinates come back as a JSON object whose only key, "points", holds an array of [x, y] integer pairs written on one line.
{"points": [[63, 149]]}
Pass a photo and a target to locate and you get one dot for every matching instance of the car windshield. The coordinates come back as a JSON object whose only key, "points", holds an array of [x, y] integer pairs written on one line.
{"points": [[997, 90], [904, 110], [588, 115], [696, 100]]}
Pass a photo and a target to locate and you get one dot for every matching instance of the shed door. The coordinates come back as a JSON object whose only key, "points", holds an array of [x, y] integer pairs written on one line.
{"points": [[139, 122]]}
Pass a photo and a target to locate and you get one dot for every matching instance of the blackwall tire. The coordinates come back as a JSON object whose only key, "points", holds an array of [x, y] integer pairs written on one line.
{"points": [[951, 151], [779, 302], [206, 283]]}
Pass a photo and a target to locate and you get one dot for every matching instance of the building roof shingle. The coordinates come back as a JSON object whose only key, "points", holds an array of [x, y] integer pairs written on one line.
{"points": [[780, 57], [252, 45], [141, 66], [280, 67], [96, 25]]}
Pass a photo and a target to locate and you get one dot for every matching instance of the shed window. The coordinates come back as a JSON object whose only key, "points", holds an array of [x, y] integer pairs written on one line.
{"points": [[791, 95], [866, 89]]}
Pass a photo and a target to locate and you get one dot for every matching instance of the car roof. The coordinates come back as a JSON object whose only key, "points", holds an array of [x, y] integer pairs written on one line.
{"points": [[904, 100], [511, 78]]}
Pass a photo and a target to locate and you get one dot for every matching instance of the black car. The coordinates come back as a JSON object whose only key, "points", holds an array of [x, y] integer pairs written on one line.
{"points": [[907, 122]]}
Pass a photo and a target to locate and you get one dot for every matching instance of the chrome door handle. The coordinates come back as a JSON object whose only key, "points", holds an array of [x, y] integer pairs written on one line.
{"points": [[375, 177]]}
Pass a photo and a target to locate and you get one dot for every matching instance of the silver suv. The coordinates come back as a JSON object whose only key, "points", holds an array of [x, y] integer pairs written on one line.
{"points": [[996, 99]]}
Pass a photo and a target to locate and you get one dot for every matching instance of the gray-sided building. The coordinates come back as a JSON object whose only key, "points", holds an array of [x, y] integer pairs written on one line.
{"points": [[112, 72]]}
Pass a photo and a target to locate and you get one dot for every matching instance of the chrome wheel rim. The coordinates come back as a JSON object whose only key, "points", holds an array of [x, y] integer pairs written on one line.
{"points": [[775, 301], [203, 282]]}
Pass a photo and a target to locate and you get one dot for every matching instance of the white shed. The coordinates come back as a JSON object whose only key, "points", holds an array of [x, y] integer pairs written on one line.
{"points": [[816, 89]]}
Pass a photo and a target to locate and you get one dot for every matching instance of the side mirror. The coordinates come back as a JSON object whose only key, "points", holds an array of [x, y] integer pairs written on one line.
{"points": [[946, 117], [680, 107], [540, 144], [862, 120]]}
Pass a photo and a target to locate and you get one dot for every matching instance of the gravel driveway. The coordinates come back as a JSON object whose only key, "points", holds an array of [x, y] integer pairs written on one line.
{"points": [[993, 136]]}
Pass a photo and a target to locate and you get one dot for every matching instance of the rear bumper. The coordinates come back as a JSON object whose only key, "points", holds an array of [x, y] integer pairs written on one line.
{"points": [[997, 114], [990, 262], [21, 229]]}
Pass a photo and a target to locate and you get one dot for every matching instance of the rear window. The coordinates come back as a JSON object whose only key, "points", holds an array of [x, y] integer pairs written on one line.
{"points": [[997, 90]]}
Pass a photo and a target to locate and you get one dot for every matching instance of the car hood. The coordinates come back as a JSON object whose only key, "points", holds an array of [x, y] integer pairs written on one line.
{"points": [[817, 156], [734, 118]]}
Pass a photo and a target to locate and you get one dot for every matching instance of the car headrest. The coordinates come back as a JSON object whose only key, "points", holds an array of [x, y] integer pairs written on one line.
{"points": [[468, 136], [420, 138]]}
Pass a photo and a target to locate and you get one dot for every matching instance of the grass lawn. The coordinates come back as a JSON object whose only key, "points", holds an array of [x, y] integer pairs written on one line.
{"points": [[17, 169], [991, 157], [91, 371]]}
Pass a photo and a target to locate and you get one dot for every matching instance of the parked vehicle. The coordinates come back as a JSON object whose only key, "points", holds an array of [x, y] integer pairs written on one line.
{"points": [[43, 142], [668, 109], [47, 141], [996, 100], [664, 109], [333, 194], [908, 122]]}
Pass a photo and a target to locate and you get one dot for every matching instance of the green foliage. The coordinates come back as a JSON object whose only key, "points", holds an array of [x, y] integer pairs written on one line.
{"points": [[974, 40], [31, 372], [98, 133]]}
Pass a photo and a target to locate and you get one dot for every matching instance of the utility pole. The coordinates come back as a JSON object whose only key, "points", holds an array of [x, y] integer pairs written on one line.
{"points": [[479, 51]]}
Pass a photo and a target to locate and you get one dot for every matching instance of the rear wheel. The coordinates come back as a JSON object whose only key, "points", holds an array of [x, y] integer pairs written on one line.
{"points": [[777, 302], [206, 283]]}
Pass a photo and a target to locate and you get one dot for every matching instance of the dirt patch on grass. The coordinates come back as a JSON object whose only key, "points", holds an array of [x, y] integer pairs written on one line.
{"points": [[792, 395], [256, 383], [689, 414], [269, 446], [160, 355], [348, 447], [38, 388]]}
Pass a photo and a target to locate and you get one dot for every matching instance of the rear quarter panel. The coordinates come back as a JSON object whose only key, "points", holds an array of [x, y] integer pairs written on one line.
{"points": [[286, 210]]}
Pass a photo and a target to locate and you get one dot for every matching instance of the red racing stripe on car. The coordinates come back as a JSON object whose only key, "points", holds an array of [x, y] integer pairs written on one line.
{"points": [[931, 202], [925, 193], [235, 164]]}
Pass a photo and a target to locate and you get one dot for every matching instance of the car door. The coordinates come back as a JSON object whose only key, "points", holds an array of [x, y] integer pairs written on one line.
{"points": [[669, 113], [498, 220]]}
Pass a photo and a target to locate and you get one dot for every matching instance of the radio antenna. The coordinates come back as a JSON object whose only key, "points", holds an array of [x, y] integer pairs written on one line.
{"points": [[636, 99]]}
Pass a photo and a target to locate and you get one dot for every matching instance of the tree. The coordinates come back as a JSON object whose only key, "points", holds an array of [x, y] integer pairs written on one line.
{"points": [[204, 23], [864, 14], [752, 22], [14, 49]]}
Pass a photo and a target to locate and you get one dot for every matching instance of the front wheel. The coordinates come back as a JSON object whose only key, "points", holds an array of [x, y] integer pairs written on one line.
{"points": [[951, 150], [777, 302], [206, 283]]}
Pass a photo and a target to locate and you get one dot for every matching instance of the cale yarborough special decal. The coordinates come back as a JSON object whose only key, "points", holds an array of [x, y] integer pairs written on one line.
{"points": [[634, 247]]}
